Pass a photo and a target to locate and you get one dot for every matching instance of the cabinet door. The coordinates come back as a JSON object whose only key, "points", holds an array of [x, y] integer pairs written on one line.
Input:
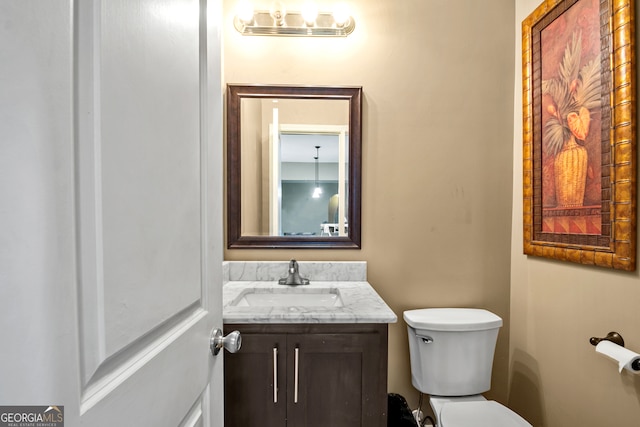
{"points": [[251, 376], [337, 378]]}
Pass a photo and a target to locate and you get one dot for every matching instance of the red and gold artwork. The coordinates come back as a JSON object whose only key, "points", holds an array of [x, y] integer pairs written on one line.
{"points": [[579, 148]]}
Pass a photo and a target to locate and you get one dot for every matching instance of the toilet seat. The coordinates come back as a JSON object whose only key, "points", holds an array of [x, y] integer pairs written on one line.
{"points": [[487, 413]]}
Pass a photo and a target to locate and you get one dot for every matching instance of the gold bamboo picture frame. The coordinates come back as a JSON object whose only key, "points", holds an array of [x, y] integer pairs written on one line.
{"points": [[579, 128]]}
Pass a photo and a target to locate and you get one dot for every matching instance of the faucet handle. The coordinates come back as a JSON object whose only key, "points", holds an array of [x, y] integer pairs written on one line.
{"points": [[293, 266], [293, 277]]}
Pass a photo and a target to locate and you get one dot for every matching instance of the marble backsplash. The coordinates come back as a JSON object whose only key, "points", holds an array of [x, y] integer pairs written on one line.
{"points": [[343, 271]]}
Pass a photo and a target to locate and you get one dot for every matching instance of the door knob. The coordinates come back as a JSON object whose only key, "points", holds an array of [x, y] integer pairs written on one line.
{"points": [[231, 342]]}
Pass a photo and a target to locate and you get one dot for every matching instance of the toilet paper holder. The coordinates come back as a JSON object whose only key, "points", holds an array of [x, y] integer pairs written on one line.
{"points": [[614, 337]]}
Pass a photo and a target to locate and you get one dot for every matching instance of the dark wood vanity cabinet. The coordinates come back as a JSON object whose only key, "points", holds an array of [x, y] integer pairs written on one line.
{"points": [[300, 375]]}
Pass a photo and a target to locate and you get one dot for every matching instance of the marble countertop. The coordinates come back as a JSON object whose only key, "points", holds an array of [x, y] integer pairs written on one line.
{"points": [[360, 304], [271, 271]]}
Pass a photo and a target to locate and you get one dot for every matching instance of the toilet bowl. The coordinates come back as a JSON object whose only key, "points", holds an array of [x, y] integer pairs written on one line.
{"points": [[473, 411], [451, 351]]}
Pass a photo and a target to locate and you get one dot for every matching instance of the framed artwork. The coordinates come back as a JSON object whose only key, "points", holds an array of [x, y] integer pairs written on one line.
{"points": [[579, 125]]}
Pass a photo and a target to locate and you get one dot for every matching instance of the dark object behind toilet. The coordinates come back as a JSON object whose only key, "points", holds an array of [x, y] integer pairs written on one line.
{"points": [[399, 414]]}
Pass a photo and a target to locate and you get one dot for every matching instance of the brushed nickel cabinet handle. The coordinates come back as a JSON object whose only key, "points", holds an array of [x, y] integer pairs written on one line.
{"points": [[275, 374], [295, 374]]}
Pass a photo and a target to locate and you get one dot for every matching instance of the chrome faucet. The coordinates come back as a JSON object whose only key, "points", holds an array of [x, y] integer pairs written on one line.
{"points": [[293, 279]]}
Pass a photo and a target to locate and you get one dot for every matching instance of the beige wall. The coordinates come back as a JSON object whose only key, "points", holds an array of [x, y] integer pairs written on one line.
{"points": [[441, 207], [556, 377], [437, 80]]}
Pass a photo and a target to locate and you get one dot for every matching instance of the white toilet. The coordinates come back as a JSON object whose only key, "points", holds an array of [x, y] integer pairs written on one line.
{"points": [[451, 352]]}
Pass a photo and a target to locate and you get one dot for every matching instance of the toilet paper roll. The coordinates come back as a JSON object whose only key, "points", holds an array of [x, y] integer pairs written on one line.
{"points": [[626, 359]]}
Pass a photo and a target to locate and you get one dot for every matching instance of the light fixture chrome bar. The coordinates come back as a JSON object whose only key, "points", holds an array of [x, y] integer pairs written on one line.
{"points": [[294, 25]]}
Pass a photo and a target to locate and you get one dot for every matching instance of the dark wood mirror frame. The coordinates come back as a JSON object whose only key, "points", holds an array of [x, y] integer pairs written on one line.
{"points": [[235, 94]]}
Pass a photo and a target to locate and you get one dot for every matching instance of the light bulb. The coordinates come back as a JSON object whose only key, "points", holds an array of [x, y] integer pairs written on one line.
{"points": [[278, 11], [341, 14], [244, 11], [309, 13]]}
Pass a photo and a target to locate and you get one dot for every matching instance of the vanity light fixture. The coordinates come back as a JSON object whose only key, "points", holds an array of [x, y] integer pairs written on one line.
{"points": [[317, 191], [278, 21]]}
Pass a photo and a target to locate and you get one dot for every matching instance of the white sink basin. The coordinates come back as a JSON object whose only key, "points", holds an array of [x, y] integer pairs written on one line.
{"points": [[289, 297]]}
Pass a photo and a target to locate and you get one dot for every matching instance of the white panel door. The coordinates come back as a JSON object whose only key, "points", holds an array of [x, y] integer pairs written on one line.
{"points": [[111, 242]]}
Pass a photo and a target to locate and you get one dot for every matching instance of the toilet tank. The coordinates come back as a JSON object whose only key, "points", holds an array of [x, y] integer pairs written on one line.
{"points": [[451, 349]]}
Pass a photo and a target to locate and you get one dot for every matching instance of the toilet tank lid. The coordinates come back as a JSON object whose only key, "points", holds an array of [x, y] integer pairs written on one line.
{"points": [[452, 319]]}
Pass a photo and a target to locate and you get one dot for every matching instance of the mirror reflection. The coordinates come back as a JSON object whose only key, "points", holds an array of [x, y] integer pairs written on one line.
{"points": [[312, 185], [293, 166], [303, 150]]}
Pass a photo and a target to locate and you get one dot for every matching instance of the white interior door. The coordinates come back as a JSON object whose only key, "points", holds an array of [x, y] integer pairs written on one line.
{"points": [[111, 194]]}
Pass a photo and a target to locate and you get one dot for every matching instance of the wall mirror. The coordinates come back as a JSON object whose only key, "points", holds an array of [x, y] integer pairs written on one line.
{"points": [[294, 158]]}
